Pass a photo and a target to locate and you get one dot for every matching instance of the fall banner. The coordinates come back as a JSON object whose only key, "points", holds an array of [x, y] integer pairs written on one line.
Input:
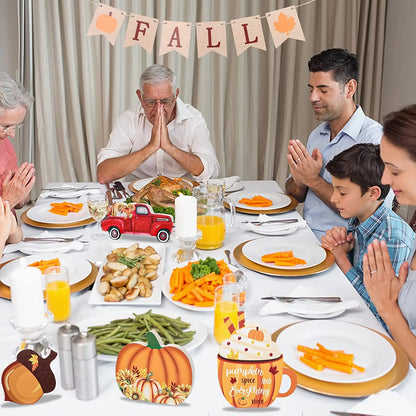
{"points": [[210, 36], [284, 24], [107, 21]]}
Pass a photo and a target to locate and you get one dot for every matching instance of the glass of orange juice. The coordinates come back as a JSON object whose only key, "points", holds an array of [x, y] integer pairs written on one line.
{"points": [[58, 299], [227, 304]]}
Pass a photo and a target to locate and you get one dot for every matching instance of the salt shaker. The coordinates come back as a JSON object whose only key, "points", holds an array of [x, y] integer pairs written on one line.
{"points": [[85, 366], [65, 334]]}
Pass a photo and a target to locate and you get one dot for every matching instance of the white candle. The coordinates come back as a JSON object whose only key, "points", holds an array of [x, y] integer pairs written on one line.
{"points": [[185, 216], [27, 297]]}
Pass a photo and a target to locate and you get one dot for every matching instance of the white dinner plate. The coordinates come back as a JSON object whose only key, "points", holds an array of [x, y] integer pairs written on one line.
{"points": [[78, 268], [278, 200], [138, 185], [107, 317], [311, 252], [96, 298], [165, 284], [370, 349], [41, 213]]}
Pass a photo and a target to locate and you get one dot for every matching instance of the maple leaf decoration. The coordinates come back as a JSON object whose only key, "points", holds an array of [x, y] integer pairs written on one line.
{"points": [[284, 24], [34, 359], [233, 380], [273, 370]]}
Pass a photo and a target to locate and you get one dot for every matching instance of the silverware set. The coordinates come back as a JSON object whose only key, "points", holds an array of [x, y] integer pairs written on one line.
{"points": [[259, 223], [293, 298]]}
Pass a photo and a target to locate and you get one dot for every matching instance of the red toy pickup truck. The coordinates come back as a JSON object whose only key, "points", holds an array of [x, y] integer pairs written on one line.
{"points": [[137, 219]]}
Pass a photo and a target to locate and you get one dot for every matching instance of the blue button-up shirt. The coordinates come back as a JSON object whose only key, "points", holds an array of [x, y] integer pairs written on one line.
{"points": [[358, 129], [385, 225]]}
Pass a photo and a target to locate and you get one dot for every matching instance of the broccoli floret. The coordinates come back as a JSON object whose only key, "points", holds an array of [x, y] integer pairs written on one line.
{"points": [[204, 267]]}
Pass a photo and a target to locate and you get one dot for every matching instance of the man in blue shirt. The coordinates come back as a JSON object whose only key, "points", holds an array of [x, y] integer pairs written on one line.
{"points": [[358, 195], [332, 84]]}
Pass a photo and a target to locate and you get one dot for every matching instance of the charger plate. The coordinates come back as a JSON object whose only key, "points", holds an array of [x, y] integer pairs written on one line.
{"points": [[76, 287], [272, 271], [392, 379], [38, 224], [292, 205]]}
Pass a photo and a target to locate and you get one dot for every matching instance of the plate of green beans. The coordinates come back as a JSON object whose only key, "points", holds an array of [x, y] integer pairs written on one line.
{"points": [[114, 330]]}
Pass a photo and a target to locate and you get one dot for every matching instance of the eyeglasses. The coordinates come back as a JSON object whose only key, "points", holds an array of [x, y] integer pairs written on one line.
{"points": [[150, 102], [8, 129]]}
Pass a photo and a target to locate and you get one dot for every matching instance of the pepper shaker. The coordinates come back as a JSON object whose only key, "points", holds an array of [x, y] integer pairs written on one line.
{"points": [[85, 366], [65, 334]]}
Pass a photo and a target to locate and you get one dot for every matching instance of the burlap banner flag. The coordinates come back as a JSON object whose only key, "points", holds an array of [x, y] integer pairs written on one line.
{"points": [[211, 37], [284, 24], [176, 36], [141, 31], [248, 32], [107, 21]]}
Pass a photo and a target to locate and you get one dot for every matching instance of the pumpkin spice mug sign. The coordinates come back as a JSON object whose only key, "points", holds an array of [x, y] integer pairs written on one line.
{"points": [[250, 369], [154, 372]]}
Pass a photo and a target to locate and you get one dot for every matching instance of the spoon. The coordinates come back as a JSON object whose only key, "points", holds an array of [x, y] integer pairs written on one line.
{"points": [[238, 272]]}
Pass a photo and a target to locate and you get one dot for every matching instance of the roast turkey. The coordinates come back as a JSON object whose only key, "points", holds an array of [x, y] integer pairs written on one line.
{"points": [[159, 191]]}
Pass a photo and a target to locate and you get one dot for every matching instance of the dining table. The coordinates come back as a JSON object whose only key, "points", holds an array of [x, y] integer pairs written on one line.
{"points": [[206, 397]]}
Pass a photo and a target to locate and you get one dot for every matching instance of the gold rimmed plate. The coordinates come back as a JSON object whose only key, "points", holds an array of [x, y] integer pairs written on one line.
{"points": [[76, 287], [389, 380], [272, 271], [38, 224], [292, 205]]}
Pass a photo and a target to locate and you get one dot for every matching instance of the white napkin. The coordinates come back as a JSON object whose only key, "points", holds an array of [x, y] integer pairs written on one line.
{"points": [[385, 403], [273, 228], [34, 247], [230, 181], [68, 193], [306, 307]]}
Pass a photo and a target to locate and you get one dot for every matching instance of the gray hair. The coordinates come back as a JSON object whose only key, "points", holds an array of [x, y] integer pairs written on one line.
{"points": [[156, 74], [12, 94]]}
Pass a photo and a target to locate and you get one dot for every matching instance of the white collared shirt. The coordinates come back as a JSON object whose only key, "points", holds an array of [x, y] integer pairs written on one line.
{"points": [[188, 131]]}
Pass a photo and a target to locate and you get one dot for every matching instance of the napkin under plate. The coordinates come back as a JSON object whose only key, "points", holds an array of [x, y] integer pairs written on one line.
{"points": [[385, 403], [272, 228]]}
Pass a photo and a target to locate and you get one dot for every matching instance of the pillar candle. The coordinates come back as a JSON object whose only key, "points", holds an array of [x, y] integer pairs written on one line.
{"points": [[185, 216], [27, 297]]}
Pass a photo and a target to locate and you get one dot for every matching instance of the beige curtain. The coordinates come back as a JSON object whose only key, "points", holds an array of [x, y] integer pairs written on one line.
{"points": [[253, 103]]}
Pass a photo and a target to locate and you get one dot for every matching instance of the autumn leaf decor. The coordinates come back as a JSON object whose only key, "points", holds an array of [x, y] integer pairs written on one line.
{"points": [[284, 24], [154, 372]]}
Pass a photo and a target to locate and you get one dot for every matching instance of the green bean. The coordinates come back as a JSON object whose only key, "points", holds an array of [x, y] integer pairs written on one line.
{"points": [[112, 337]]}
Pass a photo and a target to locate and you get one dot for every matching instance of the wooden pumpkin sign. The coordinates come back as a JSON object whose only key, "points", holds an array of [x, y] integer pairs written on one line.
{"points": [[154, 372]]}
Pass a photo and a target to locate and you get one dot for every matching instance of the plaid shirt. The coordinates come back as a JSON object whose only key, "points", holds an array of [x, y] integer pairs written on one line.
{"points": [[385, 225]]}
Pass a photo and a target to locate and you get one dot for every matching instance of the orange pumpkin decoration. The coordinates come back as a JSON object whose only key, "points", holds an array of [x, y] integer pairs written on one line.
{"points": [[256, 334], [154, 372]]}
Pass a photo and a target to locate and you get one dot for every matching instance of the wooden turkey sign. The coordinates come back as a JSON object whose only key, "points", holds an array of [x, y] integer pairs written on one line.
{"points": [[154, 372]]}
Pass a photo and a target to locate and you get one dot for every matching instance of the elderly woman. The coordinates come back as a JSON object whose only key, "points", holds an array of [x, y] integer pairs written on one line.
{"points": [[395, 296], [15, 182]]}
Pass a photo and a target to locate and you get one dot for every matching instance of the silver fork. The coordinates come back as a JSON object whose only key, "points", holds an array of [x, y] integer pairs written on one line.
{"points": [[53, 239]]}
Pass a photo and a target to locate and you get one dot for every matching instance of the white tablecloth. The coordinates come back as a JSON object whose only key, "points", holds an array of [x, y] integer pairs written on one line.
{"points": [[206, 397]]}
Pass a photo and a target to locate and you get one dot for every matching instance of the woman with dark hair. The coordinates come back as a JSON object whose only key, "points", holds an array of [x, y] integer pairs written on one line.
{"points": [[395, 296]]}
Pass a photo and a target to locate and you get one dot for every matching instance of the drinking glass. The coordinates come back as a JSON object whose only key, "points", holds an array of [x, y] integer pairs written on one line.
{"points": [[227, 303], [98, 207], [58, 299], [240, 279]]}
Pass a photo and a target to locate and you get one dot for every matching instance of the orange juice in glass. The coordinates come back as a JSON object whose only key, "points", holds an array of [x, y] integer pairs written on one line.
{"points": [[226, 306], [213, 231], [58, 294]]}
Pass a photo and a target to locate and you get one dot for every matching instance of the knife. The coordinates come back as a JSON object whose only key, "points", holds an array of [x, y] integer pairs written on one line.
{"points": [[293, 298], [286, 221], [350, 413]]}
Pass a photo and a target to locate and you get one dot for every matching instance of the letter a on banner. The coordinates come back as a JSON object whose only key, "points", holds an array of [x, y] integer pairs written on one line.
{"points": [[176, 36], [141, 31], [284, 24], [248, 32], [211, 37], [107, 22]]}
